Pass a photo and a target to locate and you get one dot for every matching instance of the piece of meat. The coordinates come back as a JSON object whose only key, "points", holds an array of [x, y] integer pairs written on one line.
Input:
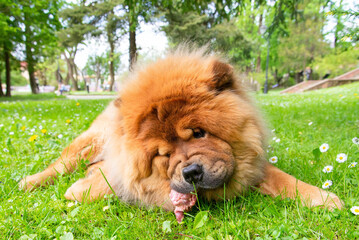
{"points": [[182, 202]]}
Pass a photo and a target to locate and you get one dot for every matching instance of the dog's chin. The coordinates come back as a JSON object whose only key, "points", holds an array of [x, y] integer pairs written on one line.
{"points": [[185, 187]]}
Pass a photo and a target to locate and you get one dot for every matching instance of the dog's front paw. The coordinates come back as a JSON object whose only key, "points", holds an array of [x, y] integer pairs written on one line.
{"points": [[328, 200], [31, 182], [28, 183]]}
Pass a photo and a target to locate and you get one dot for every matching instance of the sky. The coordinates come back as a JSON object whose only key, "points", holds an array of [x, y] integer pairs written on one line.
{"points": [[149, 39], [150, 42]]}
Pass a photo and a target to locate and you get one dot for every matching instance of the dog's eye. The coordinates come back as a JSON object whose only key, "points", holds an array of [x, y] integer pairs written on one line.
{"points": [[198, 133]]}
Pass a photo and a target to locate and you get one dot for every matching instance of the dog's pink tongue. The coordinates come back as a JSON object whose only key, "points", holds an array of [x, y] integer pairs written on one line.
{"points": [[182, 202]]}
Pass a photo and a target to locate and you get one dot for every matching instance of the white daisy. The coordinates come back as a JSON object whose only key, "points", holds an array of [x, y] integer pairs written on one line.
{"points": [[70, 204], [105, 208], [60, 136], [5, 150], [277, 140], [324, 147], [353, 164], [11, 133], [1, 125], [273, 159], [310, 123], [327, 184], [341, 157], [328, 169], [355, 210], [355, 140]]}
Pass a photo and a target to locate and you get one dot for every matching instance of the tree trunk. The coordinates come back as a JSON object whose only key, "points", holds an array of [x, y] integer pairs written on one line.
{"points": [[1, 92], [74, 70], [297, 77], [112, 70], [31, 70], [43, 77], [66, 81], [259, 60], [7, 70], [98, 75], [133, 48], [71, 73], [29, 57]]}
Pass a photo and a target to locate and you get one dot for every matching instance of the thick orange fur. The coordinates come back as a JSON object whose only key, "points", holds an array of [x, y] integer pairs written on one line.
{"points": [[145, 138]]}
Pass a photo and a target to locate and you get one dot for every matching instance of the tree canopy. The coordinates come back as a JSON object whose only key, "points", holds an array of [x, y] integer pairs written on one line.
{"points": [[297, 34]]}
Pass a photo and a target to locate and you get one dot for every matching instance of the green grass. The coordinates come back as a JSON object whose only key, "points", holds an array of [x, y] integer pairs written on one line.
{"points": [[45, 214], [92, 93], [28, 97]]}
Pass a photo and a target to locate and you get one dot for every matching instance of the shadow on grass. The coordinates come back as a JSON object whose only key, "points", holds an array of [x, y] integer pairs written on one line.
{"points": [[31, 97]]}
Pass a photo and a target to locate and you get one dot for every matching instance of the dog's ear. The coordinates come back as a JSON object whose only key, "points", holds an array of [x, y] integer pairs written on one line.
{"points": [[223, 77]]}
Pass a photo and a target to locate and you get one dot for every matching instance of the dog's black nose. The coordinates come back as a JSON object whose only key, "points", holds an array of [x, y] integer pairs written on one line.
{"points": [[193, 173]]}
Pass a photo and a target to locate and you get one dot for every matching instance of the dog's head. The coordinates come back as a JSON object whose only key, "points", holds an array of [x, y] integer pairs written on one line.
{"points": [[188, 120]]}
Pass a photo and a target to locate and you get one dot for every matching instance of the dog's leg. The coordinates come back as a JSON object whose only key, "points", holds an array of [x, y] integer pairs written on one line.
{"points": [[277, 182], [86, 146], [93, 187]]}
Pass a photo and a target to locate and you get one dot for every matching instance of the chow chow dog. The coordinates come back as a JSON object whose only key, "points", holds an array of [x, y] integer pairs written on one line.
{"points": [[183, 124]]}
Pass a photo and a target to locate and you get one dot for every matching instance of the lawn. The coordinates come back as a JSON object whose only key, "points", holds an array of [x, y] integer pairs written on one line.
{"points": [[300, 123]]}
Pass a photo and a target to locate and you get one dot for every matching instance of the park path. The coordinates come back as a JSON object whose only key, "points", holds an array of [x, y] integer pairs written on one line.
{"points": [[90, 97]]}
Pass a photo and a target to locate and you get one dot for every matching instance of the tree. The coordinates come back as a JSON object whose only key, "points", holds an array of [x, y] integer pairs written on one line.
{"points": [[337, 63], [72, 35], [37, 22], [305, 40], [114, 28], [137, 11], [8, 34], [1, 68], [97, 65], [202, 29], [346, 30]]}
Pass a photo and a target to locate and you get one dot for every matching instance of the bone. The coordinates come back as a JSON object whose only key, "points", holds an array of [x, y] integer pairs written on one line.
{"points": [[182, 202]]}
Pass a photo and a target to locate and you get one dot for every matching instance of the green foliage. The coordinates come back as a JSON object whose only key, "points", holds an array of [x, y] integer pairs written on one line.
{"points": [[202, 29], [304, 41], [75, 28], [47, 68], [16, 78], [97, 64], [337, 63], [42, 21]]}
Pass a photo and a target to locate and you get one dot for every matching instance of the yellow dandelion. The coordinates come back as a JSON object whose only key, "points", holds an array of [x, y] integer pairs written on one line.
{"points": [[33, 138], [355, 94], [23, 128], [340, 95], [43, 131], [78, 104], [68, 121]]}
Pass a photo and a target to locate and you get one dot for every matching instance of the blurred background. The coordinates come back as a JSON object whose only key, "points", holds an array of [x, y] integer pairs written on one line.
{"points": [[89, 46]]}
